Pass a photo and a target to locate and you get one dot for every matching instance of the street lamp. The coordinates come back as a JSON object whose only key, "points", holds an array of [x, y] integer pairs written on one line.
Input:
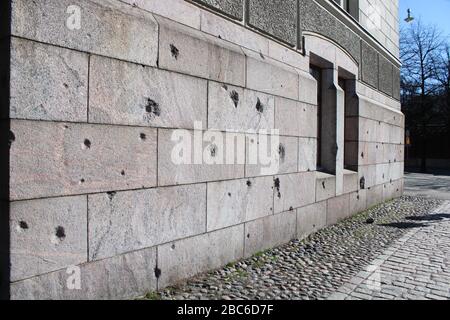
{"points": [[410, 17]]}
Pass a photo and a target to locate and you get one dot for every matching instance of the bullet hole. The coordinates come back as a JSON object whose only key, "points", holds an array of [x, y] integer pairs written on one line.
{"points": [[362, 183], [111, 195], [143, 136], [11, 138], [87, 143], [262, 56], [122, 172], [370, 221], [173, 246], [157, 272], [225, 87], [357, 197], [277, 186], [323, 184], [282, 151], [213, 150], [249, 183], [235, 98], [377, 146], [66, 126], [175, 52], [362, 155], [229, 194], [66, 85], [60, 233], [23, 225], [248, 235], [82, 181], [152, 107], [291, 208], [219, 36], [259, 106]]}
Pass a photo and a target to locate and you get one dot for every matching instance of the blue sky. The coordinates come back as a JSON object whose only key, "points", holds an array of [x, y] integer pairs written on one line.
{"points": [[435, 12]]}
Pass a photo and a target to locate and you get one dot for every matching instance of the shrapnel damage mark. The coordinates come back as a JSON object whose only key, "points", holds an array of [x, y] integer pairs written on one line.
{"points": [[60, 233], [152, 107], [277, 186], [282, 151], [175, 52], [259, 106], [235, 98]]}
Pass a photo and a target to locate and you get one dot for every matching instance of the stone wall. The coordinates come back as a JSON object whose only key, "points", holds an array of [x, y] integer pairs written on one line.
{"points": [[94, 190]]}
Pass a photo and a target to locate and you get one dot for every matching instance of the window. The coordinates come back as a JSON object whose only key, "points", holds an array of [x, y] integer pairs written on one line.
{"points": [[317, 74], [343, 4], [323, 72], [349, 6]]}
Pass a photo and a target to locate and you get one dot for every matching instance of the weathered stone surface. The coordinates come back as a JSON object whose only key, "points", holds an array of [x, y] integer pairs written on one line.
{"points": [[212, 157], [383, 173], [386, 76], [190, 51], [134, 220], [269, 232], [315, 18], [51, 159], [272, 77], [294, 191], [368, 130], [369, 173], [289, 56], [325, 186], [178, 10], [369, 65], [238, 201], [186, 258], [107, 27], [351, 183], [275, 17], [47, 235], [233, 8], [307, 154], [126, 93], [293, 118], [358, 202], [397, 135], [122, 277], [374, 195], [54, 90], [279, 157], [233, 32], [311, 219], [235, 109], [396, 170], [338, 209], [307, 88]]}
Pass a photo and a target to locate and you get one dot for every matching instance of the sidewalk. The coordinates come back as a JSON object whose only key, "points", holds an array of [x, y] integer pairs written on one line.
{"points": [[417, 266]]}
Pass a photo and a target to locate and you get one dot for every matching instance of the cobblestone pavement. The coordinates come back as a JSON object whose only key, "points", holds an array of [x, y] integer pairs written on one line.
{"points": [[318, 266], [415, 267], [433, 185]]}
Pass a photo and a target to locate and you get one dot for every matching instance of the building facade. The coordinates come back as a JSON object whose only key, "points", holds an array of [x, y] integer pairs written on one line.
{"points": [[115, 181]]}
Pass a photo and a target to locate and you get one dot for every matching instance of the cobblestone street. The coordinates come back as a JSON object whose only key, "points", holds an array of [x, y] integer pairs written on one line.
{"points": [[398, 250], [416, 267]]}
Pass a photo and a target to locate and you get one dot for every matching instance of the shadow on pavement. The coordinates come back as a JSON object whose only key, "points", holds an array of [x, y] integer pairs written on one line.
{"points": [[430, 217], [404, 225]]}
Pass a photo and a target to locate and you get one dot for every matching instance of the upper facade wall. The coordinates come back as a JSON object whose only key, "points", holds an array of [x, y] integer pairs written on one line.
{"points": [[380, 18], [372, 42]]}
